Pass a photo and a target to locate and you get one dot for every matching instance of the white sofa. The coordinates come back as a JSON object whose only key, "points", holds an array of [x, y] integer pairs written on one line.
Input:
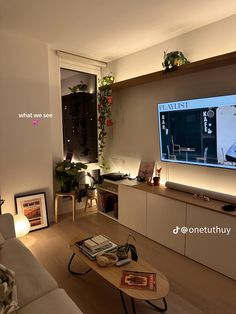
{"points": [[37, 291]]}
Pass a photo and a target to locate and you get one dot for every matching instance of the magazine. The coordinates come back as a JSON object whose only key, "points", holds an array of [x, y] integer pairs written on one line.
{"points": [[138, 280]]}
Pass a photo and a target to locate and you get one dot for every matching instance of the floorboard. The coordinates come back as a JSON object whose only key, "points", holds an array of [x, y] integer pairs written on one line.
{"points": [[194, 288]]}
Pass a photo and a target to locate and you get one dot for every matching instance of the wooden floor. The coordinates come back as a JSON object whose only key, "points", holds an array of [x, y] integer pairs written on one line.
{"points": [[194, 289]]}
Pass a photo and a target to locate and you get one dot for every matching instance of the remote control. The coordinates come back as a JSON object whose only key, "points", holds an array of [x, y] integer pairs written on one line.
{"points": [[123, 262]]}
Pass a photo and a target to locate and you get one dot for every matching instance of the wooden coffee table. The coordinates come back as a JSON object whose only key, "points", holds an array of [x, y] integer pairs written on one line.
{"points": [[113, 275]]}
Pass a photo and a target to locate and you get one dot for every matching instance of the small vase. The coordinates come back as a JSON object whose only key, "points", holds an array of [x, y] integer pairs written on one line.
{"points": [[156, 181], [122, 252]]}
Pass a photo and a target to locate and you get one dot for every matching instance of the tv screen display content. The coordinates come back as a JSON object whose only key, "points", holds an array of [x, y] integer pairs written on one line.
{"points": [[199, 131]]}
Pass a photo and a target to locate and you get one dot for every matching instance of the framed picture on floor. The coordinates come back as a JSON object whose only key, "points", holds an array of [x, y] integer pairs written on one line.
{"points": [[34, 207]]}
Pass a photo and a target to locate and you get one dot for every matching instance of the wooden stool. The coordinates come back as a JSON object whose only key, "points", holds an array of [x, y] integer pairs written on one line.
{"points": [[90, 198], [73, 198]]}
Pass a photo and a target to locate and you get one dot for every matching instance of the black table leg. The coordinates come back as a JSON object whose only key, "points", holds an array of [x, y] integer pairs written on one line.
{"points": [[133, 306], [76, 273], [124, 306], [123, 302], [157, 307]]}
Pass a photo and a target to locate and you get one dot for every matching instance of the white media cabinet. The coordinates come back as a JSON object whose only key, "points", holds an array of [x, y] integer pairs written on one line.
{"points": [[156, 211]]}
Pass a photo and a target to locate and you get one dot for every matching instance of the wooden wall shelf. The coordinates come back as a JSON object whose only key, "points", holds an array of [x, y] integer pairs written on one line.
{"points": [[194, 67]]}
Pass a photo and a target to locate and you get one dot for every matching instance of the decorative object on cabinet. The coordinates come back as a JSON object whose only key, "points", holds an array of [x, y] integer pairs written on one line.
{"points": [[202, 197], [105, 116], [173, 60], [34, 207], [146, 169], [157, 178], [66, 172]]}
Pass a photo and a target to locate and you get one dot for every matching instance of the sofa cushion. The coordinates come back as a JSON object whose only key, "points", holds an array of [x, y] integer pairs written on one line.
{"points": [[55, 302], [32, 280], [8, 294]]}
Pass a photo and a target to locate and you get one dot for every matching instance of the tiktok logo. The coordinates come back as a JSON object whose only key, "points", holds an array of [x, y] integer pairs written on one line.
{"points": [[176, 230]]}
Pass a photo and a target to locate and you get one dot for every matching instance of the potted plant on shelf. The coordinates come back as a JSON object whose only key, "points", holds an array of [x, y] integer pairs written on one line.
{"points": [[173, 60], [66, 172]]}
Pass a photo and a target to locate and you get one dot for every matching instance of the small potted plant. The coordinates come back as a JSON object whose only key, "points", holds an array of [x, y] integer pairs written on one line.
{"points": [[66, 172], [173, 60], [91, 189], [124, 249], [157, 178]]}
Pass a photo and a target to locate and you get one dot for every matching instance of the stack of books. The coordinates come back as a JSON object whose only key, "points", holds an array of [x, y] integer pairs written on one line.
{"points": [[94, 245]]}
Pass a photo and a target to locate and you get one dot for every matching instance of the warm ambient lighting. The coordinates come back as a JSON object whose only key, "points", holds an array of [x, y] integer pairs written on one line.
{"points": [[22, 225]]}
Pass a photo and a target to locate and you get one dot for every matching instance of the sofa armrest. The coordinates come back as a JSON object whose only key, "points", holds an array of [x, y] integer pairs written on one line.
{"points": [[7, 227]]}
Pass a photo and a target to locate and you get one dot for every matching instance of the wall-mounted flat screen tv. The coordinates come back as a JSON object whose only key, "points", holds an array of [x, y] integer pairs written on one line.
{"points": [[199, 131]]}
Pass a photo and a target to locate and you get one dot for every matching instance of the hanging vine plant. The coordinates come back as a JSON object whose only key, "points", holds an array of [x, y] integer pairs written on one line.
{"points": [[104, 116]]}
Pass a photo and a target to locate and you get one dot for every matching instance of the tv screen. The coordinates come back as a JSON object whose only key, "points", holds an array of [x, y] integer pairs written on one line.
{"points": [[199, 131]]}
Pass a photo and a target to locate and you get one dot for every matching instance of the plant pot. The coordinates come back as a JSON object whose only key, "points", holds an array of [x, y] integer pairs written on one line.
{"points": [[66, 187], [91, 192], [156, 181], [122, 252]]}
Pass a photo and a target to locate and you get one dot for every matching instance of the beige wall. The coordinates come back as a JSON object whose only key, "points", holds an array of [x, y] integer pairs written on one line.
{"points": [[26, 154], [135, 131], [211, 40]]}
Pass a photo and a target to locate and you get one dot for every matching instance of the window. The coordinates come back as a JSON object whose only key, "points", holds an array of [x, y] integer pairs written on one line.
{"points": [[79, 78], [79, 115]]}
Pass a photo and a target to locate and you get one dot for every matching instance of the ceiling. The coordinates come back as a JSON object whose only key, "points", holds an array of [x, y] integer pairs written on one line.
{"points": [[67, 73], [109, 29]]}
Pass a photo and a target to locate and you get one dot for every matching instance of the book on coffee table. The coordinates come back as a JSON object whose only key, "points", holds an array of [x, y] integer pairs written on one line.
{"points": [[96, 242], [107, 247], [138, 280]]}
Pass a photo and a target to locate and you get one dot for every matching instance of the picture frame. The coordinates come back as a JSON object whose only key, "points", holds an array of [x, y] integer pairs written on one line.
{"points": [[146, 170], [34, 207]]}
